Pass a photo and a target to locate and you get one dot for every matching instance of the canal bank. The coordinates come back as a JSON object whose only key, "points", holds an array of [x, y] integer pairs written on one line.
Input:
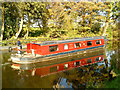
{"points": [[7, 47]]}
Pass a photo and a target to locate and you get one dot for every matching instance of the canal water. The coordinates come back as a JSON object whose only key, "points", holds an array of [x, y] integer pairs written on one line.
{"points": [[96, 69]]}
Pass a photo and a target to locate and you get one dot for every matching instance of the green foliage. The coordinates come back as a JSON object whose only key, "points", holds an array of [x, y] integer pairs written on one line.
{"points": [[113, 84], [95, 28], [115, 67], [34, 32], [115, 11], [10, 20], [59, 19]]}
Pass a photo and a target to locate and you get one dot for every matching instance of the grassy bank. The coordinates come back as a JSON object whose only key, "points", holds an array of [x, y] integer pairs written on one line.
{"points": [[12, 41], [113, 83]]}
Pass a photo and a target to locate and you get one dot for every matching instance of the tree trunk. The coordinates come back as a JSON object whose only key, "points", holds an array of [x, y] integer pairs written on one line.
{"points": [[105, 29], [2, 29], [20, 28], [38, 23], [28, 27], [26, 35]]}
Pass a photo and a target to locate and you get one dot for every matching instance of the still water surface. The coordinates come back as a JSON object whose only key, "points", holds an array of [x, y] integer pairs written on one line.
{"points": [[89, 70]]}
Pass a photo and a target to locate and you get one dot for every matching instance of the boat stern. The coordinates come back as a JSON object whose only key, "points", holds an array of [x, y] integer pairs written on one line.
{"points": [[21, 59]]}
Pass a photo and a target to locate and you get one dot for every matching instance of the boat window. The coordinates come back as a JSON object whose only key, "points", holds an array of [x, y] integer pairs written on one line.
{"points": [[65, 66], [53, 69], [98, 42], [77, 45], [66, 46], [89, 43], [89, 61], [77, 63], [97, 59], [53, 48]]}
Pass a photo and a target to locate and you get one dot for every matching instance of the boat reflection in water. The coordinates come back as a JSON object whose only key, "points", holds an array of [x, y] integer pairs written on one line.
{"points": [[51, 67]]}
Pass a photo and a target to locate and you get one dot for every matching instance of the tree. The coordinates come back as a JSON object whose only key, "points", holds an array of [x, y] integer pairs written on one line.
{"points": [[58, 19], [2, 28], [19, 14], [10, 20], [39, 15]]}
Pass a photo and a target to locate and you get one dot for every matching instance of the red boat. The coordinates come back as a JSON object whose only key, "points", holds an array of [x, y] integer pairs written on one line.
{"points": [[37, 52], [58, 65]]}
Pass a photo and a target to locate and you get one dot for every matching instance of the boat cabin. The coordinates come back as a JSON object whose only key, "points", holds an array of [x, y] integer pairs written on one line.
{"points": [[60, 46]]}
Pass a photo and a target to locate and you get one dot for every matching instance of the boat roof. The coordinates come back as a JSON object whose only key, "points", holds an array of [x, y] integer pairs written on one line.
{"points": [[70, 40]]}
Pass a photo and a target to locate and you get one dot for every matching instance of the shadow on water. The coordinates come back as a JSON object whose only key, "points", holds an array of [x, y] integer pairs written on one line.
{"points": [[90, 70]]}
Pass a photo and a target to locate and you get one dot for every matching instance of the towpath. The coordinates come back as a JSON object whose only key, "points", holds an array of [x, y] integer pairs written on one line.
{"points": [[7, 47]]}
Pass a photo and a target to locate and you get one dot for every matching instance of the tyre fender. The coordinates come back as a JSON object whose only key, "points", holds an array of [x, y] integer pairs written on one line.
{"points": [[10, 49]]}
